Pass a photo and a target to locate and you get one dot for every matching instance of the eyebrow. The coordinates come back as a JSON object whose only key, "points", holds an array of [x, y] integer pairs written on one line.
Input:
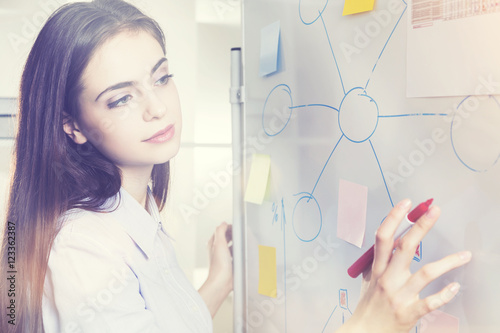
{"points": [[130, 83]]}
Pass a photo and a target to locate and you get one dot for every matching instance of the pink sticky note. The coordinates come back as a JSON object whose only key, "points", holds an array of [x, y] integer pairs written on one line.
{"points": [[351, 220], [439, 322]]}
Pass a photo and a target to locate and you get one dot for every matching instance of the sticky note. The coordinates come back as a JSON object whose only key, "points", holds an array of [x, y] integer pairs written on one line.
{"points": [[258, 179], [439, 322], [357, 6], [269, 48], [351, 219], [267, 271]]}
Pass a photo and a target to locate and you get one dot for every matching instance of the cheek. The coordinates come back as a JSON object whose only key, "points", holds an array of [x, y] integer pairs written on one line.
{"points": [[171, 99], [112, 130], [121, 129]]}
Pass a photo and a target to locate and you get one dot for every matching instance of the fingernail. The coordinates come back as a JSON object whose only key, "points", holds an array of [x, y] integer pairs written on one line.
{"points": [[404, 204], [465, 255], [432, 212], [455, 287]]}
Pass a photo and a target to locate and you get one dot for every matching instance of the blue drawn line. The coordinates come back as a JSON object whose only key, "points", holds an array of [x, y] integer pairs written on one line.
{"points": [[329, 318], [307, 105], [385, 183], [419, 258], [286, 89], [320, 13], [283, 225], [297, 106], [328, 160], [392, 32], [462, 102], [346, 299], [491, 96], [371, 101], [324, 105], [462, 161], [453, 144], [413, 114], [331, 48], [307, 196], [275, 215]]}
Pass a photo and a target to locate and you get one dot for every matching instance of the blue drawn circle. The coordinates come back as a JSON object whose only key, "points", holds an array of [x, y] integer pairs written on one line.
{"points": [[317, 17], [308, 196], [286, 89], [455, 150], [355, 93]]}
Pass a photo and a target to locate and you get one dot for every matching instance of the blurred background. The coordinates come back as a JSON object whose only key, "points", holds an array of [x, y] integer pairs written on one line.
{"points": [[199, 35]]}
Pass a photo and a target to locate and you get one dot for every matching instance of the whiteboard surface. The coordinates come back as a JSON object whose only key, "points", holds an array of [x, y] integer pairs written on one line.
{"points": [[337, 109]]}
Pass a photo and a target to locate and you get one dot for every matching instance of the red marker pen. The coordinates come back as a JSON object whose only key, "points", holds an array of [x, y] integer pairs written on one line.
{"points": [[367, 258]]}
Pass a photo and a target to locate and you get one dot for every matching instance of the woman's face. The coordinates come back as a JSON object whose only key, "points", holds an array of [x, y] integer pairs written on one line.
{"points": [[129, 97]]}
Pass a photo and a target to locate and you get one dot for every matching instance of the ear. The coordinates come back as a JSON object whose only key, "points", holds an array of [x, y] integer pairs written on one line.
{"points": [[71, 128]]}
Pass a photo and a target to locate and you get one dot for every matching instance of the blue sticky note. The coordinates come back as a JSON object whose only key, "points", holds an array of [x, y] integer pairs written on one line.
{"points": [[269, 48]]}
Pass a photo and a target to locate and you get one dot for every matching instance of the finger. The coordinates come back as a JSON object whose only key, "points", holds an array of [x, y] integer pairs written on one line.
{"points": [[229, 233], [384, 240], [406, 246], [432, 271], [210, 242], [221, 234], [431, 303]]}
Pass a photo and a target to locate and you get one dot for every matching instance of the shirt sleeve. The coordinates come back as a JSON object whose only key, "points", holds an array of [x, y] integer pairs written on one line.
{"points": [[90, 288]]}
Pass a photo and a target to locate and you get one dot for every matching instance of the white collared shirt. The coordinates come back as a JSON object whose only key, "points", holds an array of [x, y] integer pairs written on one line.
{"points": [[117, 272]]}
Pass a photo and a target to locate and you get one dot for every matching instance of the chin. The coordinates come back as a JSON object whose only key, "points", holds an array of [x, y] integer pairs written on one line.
{"points": [[167, 157]]}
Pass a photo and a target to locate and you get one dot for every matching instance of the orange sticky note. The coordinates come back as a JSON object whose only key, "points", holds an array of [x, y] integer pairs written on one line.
{"points": [[267, 271], [357, 6]]}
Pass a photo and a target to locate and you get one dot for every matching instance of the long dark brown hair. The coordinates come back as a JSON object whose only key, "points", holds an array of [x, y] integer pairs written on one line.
{"points": [[52, 174]]}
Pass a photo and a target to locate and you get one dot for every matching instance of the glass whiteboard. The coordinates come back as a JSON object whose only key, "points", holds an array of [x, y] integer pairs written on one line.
{"points": [[336, 112]]}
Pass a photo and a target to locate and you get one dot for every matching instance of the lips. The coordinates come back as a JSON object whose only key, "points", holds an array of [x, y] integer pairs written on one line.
{"points": [[163, 135]]}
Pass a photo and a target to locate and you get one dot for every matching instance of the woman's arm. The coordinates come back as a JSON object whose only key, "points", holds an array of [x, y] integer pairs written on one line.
{"points": [[220, 277], [391, 300]]}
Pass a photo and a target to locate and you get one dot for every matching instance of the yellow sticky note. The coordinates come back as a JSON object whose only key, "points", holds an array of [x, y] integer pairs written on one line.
{"points": [[357, 6], [258, 179], [267, 271]]}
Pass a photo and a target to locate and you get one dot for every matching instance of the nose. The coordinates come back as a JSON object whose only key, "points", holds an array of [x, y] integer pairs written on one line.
{"points": [[155, 107]]}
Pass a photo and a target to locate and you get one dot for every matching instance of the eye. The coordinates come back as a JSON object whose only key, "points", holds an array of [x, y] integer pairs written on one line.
{"points": [[163, 80], [119, 102]]}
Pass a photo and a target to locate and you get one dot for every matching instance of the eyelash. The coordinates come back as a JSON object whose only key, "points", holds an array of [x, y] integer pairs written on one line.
{"points": [[165, 78], [163, 81]]}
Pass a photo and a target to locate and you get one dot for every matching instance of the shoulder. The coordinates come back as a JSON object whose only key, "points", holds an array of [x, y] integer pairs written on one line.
{"points": [[81, 221], [80, 228]]}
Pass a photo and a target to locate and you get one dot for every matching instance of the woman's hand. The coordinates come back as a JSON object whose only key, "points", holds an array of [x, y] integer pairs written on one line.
{"points": [[220, 276], [391, 300]]}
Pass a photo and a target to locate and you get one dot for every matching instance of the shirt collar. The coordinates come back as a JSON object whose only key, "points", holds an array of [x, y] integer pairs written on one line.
{"points": [[140, 225]]}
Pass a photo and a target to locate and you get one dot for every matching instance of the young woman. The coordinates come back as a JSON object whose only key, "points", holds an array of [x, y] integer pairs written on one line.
{"points": [[99, 121]]}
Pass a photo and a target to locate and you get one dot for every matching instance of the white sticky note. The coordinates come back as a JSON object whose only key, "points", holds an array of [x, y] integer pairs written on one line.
{"points": [[269, 48]]}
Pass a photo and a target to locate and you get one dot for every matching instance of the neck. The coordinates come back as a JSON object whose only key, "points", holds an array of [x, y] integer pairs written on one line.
{"points": [[135, 181]]}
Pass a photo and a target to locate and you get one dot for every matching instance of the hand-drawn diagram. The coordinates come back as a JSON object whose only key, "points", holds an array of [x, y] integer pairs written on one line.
{"points": [[358, 119], [340, 313]]}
